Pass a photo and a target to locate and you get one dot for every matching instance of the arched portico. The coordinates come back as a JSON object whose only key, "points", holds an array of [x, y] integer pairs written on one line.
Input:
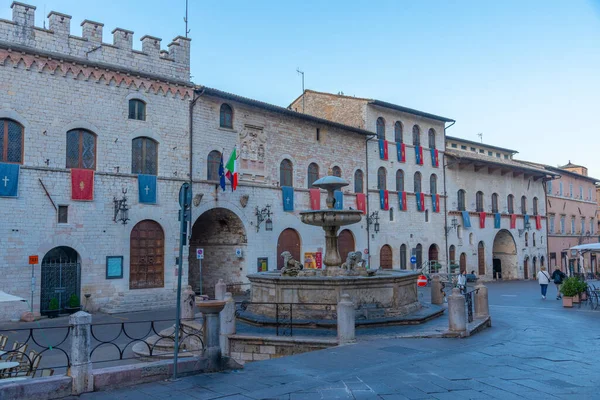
{"points": [[505, 255]]}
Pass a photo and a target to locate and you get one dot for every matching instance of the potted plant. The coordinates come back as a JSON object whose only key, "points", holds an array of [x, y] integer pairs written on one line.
{"points": [[53, 308], [435, 267], [583, 290], [570, 291], [73, 304], [453, 267]]}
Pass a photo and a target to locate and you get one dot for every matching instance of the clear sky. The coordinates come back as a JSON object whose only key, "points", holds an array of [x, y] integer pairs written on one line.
{"points": [[524, 73]]}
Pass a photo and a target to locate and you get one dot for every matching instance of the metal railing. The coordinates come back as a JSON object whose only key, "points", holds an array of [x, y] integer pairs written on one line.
{"points": [[469, 303]]}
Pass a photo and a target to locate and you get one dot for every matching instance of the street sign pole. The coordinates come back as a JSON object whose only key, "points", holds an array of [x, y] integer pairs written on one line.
{"points": [[185, 195]]}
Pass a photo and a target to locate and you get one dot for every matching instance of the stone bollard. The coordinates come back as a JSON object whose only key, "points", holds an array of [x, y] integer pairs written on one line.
{"points": [[482, 308], [437, 290], [346, 319], [227, 320], [188, 304], [81, 347], [220, 289], [211, 310], [457, 314]]}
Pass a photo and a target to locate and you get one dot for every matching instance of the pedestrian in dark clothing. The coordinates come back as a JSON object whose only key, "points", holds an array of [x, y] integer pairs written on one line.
{"points": [[558, 276]]}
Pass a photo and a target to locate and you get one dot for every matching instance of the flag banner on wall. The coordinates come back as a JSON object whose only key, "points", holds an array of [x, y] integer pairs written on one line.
{"points": [[435, 202], [315, 199], [435, 158], [231, 167], [384, 200], [538, 222], [339, 200], [402, 201], [82, 184], [419, 203], [288, 198], [361, 203], [525, 220], [482, 219], [221, 174], [419, 154], [147, 188], [9, 180], [513, 221], [401, 150], [383, 149], [466, 219], [497, 219]]}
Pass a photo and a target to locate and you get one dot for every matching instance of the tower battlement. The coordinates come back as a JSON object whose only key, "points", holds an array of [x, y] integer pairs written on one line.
{"points": [[57, 39]]}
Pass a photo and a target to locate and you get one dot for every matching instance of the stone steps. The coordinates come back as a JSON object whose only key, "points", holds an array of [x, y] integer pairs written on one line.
{"points": [[142, 302]]}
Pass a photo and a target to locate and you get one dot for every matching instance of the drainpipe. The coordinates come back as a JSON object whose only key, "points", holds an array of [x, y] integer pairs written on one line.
{"points": [[444, 165], [367, 196]]}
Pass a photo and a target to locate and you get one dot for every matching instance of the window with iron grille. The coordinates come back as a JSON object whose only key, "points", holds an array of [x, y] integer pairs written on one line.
{"points": [[417, 182], [510, 202], [144, 156], [226, 116], [535, 206], [137, 109], [286, 172], [523, 205], [398, 132], [381, 179], [461, 200], [433, 184], [358, 181], [479, 201], [11, 141], [63, 214], [81, 149], [313, 174], [495, 202], [416, 135], [400, 181], [380, 128], [336, 171], [431, 138], [212, 165]]}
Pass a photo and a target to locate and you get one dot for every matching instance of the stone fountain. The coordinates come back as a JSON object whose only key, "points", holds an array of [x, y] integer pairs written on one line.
{"points": [[380, 297]]}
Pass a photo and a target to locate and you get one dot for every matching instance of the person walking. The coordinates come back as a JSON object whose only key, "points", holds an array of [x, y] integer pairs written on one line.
{"points": [[558, 277], [543, 280]]}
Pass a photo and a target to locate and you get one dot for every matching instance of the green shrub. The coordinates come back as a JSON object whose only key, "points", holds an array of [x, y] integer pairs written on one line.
{"points": [[53, 304], [73, 301]]}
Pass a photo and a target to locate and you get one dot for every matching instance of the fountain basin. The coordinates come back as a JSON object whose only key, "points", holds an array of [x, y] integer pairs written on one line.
{"points": [[210, 306], [331, 218]]}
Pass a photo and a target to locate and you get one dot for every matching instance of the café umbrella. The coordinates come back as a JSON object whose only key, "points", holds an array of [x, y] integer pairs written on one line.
{"points": [[5, 297]]}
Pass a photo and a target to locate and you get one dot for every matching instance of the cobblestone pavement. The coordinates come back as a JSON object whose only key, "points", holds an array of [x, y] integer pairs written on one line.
{"points": [[536, 349]]}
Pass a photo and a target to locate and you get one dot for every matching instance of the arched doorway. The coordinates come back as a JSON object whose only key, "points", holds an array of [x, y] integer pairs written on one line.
{"points": [[481, 258], [433, 252], [463, 262], [219, 232], [147, 256], [385, 257], [526, 268], [61, 277], [289, 240], [419, 255], [346, 243], [504, 254]]}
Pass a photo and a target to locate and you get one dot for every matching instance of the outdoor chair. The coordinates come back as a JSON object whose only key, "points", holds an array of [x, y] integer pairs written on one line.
{"points": [[29, 366], [3, 340], [18, 351], [47, 372]]}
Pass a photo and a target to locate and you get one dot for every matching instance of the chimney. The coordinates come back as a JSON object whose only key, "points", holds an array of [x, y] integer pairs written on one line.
{"points": [[122, 38], [59, 23], [151, 45], [23, 14], [179, 50], [92, 31]]}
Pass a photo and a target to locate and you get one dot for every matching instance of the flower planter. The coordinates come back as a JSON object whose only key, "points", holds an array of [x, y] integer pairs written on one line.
{"points": [[575, 298], [52, 313], [72, 310], [583, 296], [567, 301]]}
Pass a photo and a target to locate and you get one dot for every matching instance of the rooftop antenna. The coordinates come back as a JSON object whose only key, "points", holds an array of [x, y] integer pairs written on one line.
{"points": [[480, 134], [185, 19], [44, 17], [301, 73]]}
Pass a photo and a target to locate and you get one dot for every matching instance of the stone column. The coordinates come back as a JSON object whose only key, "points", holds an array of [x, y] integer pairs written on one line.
{"points": [[482, 308], [227, 322], [188, 304], [210, 310], [81, 364], [220, 289], [437, 290], [457, 314], [346, 320]]}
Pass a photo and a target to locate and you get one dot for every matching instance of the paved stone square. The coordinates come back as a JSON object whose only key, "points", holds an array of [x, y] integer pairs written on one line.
{"points": [[535, 349]]}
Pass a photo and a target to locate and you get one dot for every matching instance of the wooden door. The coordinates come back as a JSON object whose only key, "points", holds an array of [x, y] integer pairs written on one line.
{"points": [[433, 253], [345, 243], [147, 256], [525, 269], [463, 262], [385, 257], [289, 240], [481, 258]]}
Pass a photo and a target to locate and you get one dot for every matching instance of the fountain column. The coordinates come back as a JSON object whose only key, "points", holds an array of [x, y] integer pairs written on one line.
{"points": [[332, 252]]}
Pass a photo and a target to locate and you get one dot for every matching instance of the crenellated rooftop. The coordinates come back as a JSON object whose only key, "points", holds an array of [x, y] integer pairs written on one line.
{"points": [[172, 64]]}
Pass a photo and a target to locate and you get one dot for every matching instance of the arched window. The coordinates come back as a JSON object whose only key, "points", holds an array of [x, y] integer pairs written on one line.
{"points": [[526, 239], [380, 128], [495, 202], [481, 258], [479, 201], [452, 254], [461, 200], [533, 238], [417, 182], [471, 237], [391, 213], [212, 165], [419, 255], [523, 205], [433, 184], [286, 173], [226, 116], [358, 181], [459, 232], [400, 181], [313, 174], [398, 132], [510, 202], [144, 156], [403, 256], [137, 109], [81, 149], [431, 136], [416, 135], [336, 171], [11, 141], [381, 179], [535, 206]]}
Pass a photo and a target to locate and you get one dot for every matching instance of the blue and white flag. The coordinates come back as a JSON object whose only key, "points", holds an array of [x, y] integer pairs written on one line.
{"points": [[466, 219], [525, 220], [497, 220], [339, 200], [9, 180], [147, 188], [288, 198]]}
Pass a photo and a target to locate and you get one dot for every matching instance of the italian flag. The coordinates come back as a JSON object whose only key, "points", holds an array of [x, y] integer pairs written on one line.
{"points": [[231, 168]]}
